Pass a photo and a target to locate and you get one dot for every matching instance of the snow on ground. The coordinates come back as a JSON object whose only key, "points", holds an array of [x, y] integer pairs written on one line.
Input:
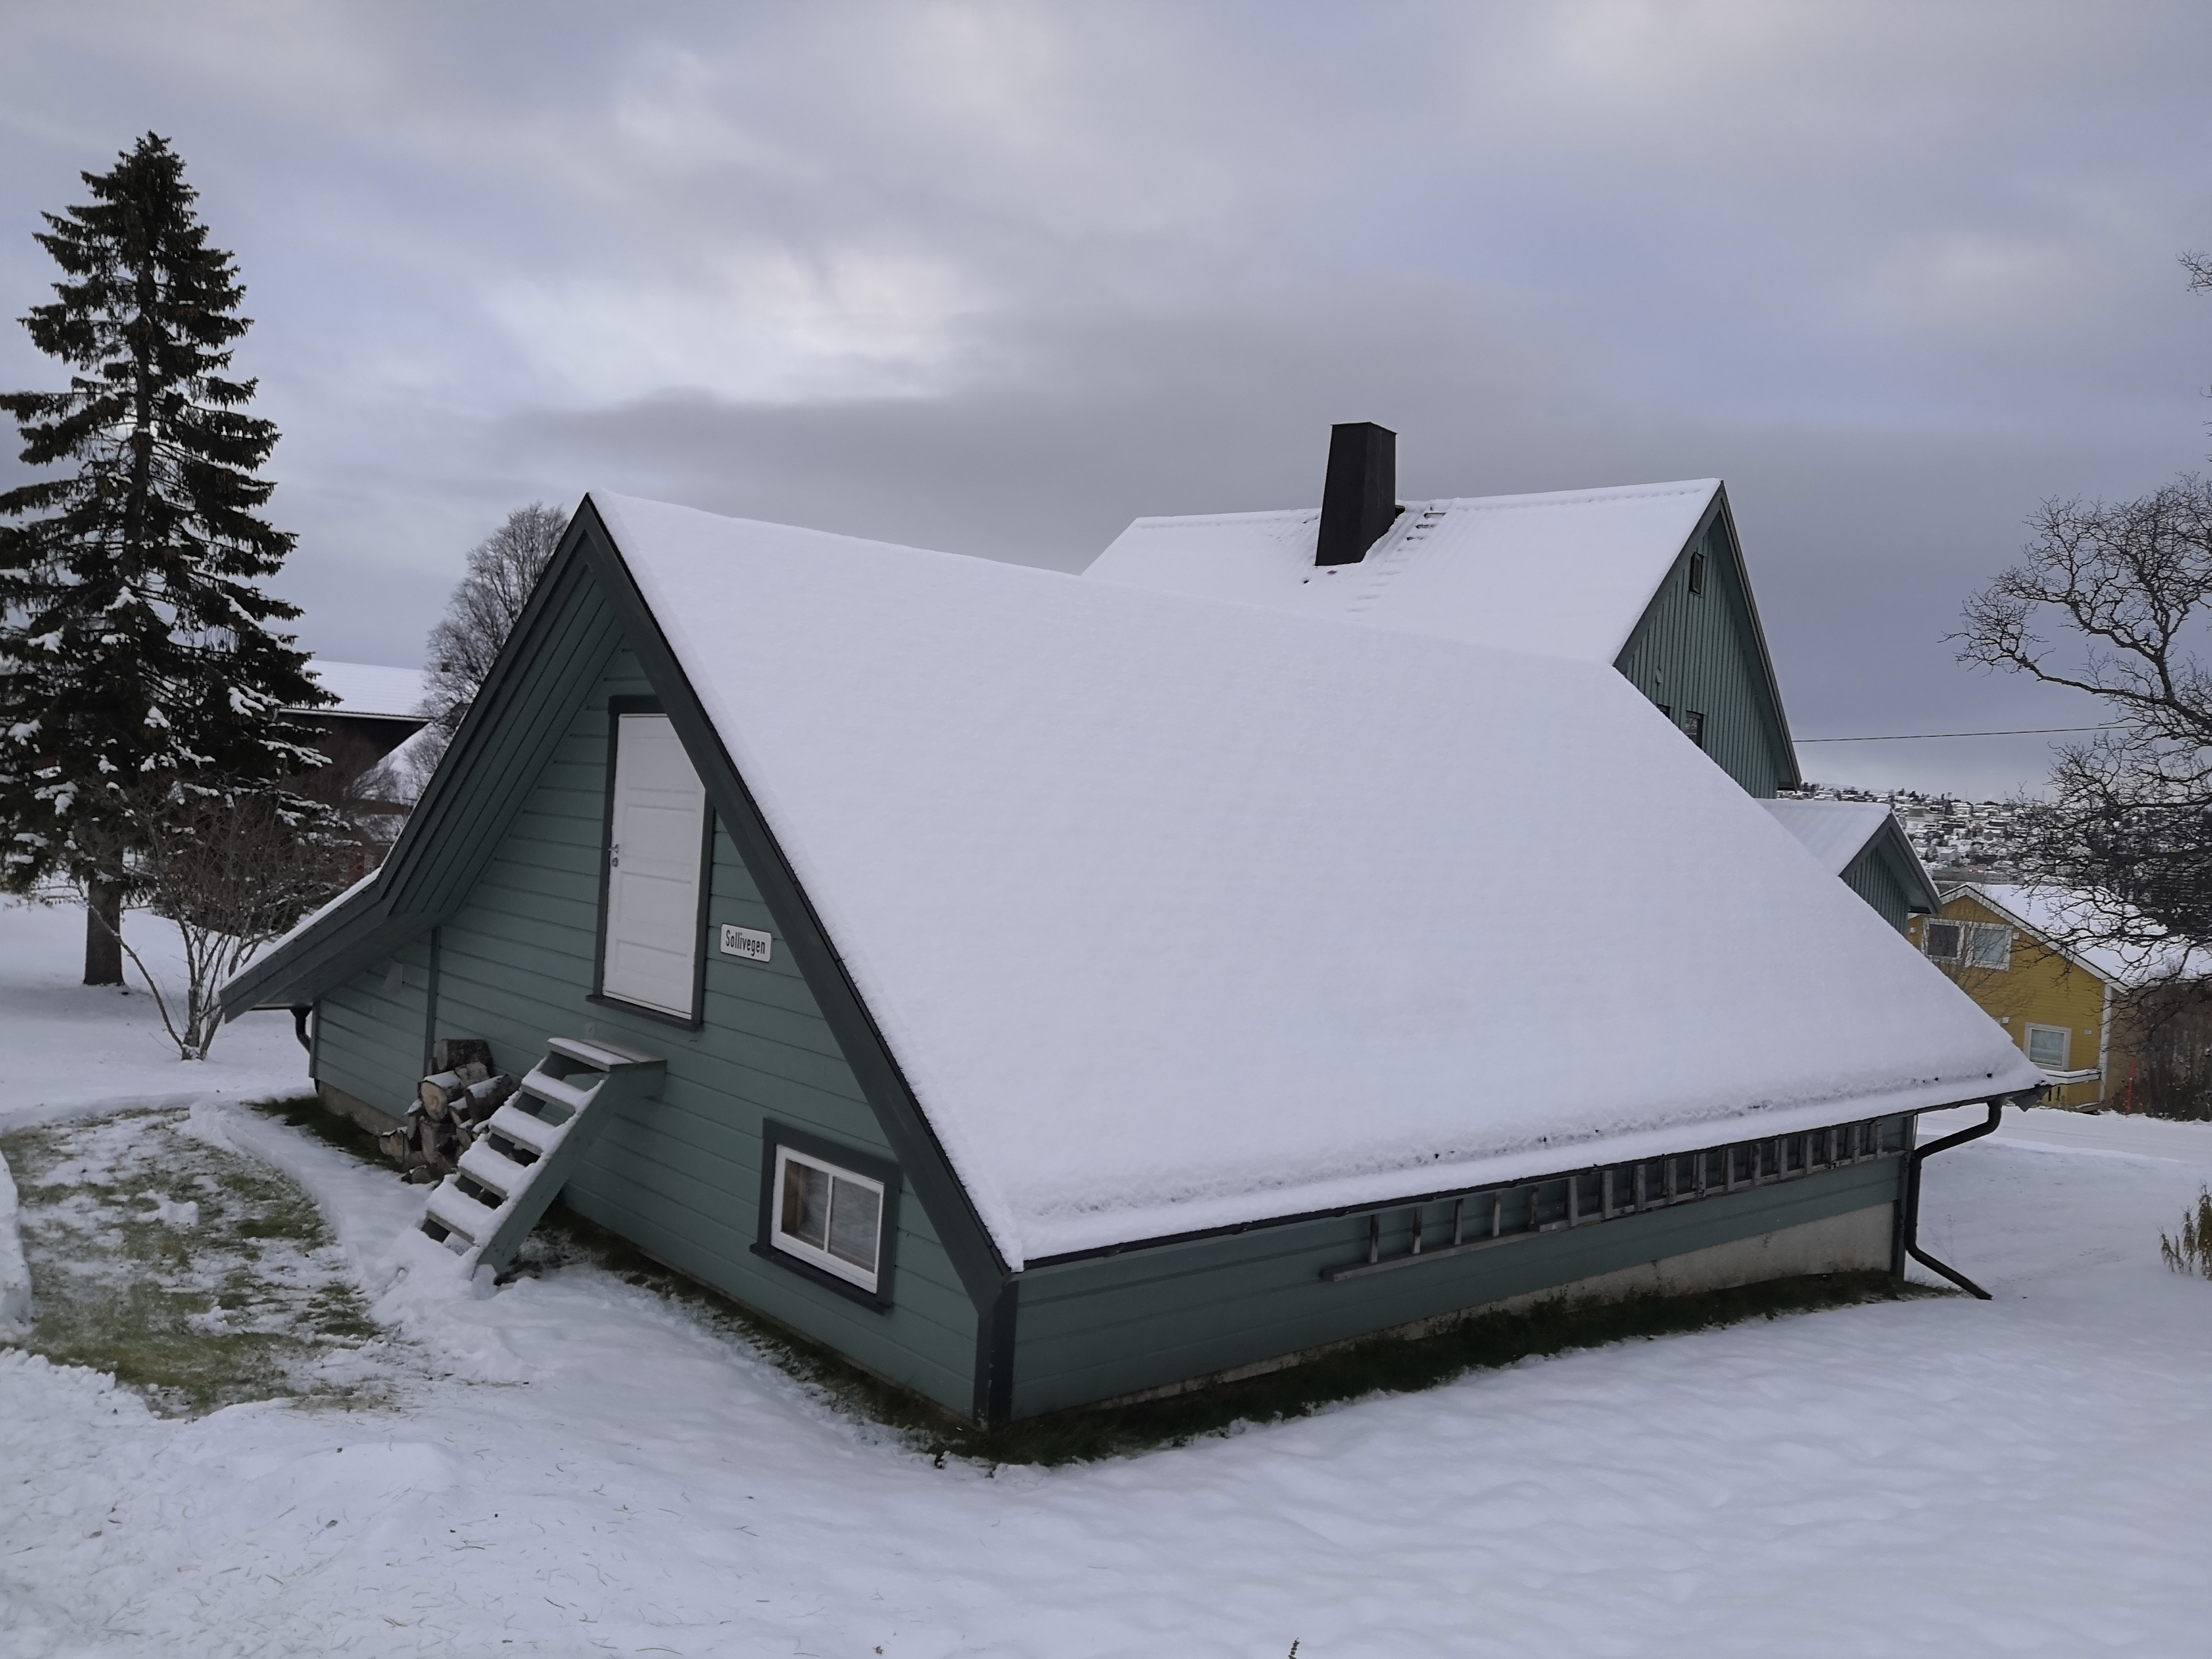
{"points": [[66, 1047], [583, 1467]]}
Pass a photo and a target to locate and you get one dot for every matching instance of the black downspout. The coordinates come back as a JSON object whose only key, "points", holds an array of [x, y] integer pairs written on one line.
{"points": [[1908, 1231], [300, 1013]]}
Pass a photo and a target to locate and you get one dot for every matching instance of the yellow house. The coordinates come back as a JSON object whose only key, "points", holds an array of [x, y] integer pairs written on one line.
{"points": [[1997, 945]]}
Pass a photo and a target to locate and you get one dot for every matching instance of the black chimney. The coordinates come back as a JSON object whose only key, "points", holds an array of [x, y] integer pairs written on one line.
{"points": [[1359, 497]]}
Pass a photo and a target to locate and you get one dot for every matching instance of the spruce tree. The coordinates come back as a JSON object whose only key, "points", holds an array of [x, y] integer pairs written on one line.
{"points": [[138, 670]]}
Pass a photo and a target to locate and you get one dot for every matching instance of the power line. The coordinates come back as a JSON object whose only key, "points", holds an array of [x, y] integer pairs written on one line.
{"points": [[1917, 737]]}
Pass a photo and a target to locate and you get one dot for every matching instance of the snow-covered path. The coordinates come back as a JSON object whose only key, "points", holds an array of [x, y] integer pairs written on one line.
{"points": [[599, 1475]]}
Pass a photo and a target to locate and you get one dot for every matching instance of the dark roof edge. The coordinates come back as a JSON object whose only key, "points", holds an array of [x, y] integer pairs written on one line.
{"points": [[278, 979], [1787, 756], [983, 1271], [1892, 835], [1200, 1234]]}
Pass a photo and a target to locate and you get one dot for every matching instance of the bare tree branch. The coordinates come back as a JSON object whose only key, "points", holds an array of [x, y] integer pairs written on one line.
{"points": [[2115, 600], [503, 570], [233, 869]]}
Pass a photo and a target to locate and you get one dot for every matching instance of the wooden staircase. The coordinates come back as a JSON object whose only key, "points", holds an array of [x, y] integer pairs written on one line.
{"points": [[526, 1149]]}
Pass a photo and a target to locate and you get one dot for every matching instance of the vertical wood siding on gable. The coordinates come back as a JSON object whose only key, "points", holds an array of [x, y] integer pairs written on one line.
{"points": [[680, 1176], [1698, 651], [1873, 878], [1116, 1325]]}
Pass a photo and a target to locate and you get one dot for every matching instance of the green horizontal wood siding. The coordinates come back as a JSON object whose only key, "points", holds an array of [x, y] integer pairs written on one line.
{"points": [[678, 1175], [368, 1031], [1115, 1325], [1702, 651]]}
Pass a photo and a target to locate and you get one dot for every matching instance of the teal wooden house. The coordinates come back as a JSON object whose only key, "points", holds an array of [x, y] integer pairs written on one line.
{"points": [[1650, 577], [1046, 991]]}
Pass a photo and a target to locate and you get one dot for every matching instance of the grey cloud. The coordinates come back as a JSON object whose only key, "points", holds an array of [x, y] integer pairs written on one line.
{"points": [[999, 277]]}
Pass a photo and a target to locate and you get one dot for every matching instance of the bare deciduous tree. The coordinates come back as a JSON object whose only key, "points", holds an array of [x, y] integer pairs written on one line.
{"points": [[2116, 599], [233, 870], [502, 570]]}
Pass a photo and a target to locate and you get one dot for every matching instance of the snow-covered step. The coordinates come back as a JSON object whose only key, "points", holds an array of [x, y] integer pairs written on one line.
{"points": [[524, 1151]]}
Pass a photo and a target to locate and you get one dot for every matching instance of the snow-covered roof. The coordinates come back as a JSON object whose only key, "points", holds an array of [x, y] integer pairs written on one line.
{"points": [[1568, 573], [1833, 831], [2059, 916], [1179, 914], [369, 691]]}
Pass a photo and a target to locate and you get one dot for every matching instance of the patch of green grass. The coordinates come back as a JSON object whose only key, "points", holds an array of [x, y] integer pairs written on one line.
{"points": [[1379, 1364], [190, 1274]]}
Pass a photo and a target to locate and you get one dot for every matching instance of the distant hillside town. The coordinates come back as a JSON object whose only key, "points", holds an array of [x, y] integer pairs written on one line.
{"points": [[1957, 840]]}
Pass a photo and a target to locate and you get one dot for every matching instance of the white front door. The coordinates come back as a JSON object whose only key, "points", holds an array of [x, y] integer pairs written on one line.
{"points": [[653, 868]]}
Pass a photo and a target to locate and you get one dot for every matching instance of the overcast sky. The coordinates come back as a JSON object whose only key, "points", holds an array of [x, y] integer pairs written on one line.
{"points": [[999, 278]]}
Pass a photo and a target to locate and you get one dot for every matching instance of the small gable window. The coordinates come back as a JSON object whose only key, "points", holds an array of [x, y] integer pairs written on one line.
{"points": [[828, 1216], [1698, 573]]}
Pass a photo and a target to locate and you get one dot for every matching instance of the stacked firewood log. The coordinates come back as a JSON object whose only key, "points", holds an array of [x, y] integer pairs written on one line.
{"points": [[449, 1108]]}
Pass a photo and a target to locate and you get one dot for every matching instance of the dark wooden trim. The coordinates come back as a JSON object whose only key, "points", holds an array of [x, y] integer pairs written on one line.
{"points": [[1785, 748], [995, 1349], [638, 1010], [374, 923], [430, 1003], [617, 707], [967, 1241], [774, 1135]]}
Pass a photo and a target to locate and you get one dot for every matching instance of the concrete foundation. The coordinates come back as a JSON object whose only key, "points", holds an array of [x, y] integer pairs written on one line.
{"points": [[344, 1105], [1858, 1240]]}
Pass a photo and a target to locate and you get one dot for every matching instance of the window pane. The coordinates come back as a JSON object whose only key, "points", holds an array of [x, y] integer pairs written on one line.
{"points": [[1693, 722], [1986, 947], [1943, 940], [2046, 1047], [805, 1204], [855, 1222]]}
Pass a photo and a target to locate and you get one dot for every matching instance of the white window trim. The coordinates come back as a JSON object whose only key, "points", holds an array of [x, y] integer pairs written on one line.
{"points": [[1968, 932], [811, 1255], [2065, 1034]]}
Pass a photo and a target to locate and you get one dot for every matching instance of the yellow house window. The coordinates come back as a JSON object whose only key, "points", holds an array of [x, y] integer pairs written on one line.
{"points": [[1974, 943], [2046, 1047]]}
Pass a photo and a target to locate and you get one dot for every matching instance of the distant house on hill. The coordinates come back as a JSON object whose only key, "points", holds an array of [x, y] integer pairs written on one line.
{"points": [[1648, 578], [1862, 842], [1044, 991]]}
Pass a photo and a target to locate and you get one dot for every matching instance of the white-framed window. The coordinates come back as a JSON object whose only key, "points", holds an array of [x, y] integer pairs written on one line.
{"points": [[1971, 944], [2046, 1047], [829, 1218]]}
